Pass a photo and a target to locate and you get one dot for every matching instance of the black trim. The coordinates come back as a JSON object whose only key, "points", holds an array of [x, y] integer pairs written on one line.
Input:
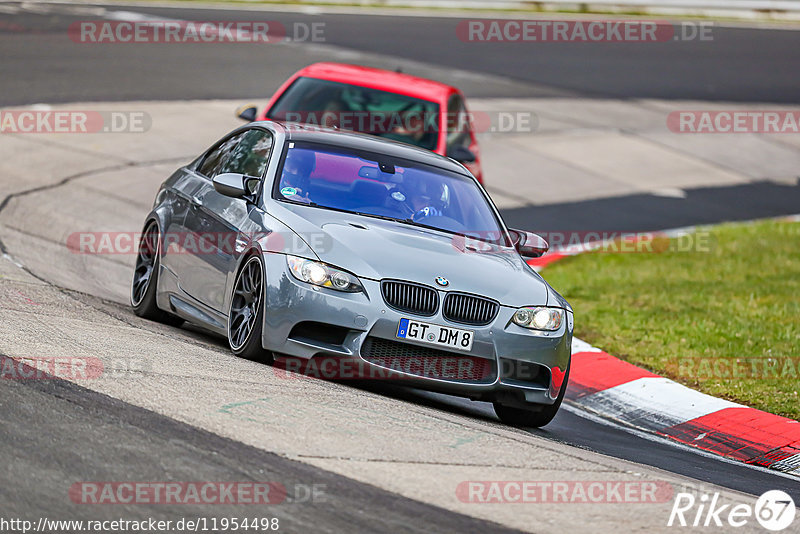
{"points": [[452, 294], [421, 313]]}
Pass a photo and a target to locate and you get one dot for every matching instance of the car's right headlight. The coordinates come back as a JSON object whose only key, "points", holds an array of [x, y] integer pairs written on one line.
{"points": [[539, 318], [323, 275]]}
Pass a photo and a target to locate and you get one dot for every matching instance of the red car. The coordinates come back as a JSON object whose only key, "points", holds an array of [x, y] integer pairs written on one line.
{"points": [[389, 104]]}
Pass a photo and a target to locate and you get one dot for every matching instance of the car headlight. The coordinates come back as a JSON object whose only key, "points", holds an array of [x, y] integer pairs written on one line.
{"points": [[321, 274], [539, 318]]}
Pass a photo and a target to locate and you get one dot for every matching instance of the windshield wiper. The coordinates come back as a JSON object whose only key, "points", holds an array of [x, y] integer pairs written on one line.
{"points": [[409, 221], [384, 217]]}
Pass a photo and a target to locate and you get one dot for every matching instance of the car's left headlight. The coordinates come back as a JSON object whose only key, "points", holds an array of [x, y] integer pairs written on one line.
{"points": [[323, 275], [539, 318]]}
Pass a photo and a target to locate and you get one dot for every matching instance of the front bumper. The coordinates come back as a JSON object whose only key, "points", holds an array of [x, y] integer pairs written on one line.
{"points": [[502, 345]]}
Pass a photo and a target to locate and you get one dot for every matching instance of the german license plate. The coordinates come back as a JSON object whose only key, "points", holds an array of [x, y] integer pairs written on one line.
{"points": [[434, 334]]}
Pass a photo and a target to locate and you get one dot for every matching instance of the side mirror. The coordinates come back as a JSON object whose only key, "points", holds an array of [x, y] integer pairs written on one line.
{"points": [[461, 154], [247, 112], [528, 244], [231, 184]]}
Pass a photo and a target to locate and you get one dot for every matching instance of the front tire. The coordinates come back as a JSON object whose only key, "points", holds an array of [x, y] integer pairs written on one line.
{"points": [[525, 417], [246, 315], [145, 279]]}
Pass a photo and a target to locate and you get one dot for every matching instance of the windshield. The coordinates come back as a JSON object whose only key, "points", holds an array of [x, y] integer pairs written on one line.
{"points": [[323, 176], [361, 109]]}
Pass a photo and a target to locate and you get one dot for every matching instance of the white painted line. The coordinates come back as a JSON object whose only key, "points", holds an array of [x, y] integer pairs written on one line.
{"points": [[579, 345], [12, 260], [654, 403], [132, 16], [669, 192], [792, 463]]}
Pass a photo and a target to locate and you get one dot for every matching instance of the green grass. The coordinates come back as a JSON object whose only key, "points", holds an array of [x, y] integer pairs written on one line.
{"points": [[692, 315]]}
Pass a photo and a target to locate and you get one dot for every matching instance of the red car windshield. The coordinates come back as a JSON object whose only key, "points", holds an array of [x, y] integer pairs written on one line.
{"points": [[324, 176], [360, 109]]}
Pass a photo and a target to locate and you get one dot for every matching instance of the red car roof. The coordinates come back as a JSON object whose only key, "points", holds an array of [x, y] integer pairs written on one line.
{"points": [[386, 80]]}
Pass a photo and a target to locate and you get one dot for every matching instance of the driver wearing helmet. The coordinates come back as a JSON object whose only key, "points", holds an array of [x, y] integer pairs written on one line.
{"points": [[419, 195], [297, 169]]}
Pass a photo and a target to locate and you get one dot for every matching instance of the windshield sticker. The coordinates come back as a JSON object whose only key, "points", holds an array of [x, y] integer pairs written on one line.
{"points": [[398, 196], [288, 191]]}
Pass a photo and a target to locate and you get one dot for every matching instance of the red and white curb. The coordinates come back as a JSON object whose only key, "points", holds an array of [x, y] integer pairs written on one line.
{"points": [[624, 393], [619, 391]]}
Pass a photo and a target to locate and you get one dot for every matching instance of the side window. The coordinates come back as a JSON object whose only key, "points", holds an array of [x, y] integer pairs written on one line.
{"points": [[216, 157], [251, 155], [458, 124]]}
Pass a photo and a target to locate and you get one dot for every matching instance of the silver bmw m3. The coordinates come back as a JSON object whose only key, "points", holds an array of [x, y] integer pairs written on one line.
{"points": [[378, 258]]}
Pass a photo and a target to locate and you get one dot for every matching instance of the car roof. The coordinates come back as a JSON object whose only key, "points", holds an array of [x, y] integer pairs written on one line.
{"points": [[385, 80], [364, 142]]}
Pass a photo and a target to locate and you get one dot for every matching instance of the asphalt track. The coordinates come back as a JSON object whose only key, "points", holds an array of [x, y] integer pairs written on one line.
{"points": [[40, 70], [644, 212], [154, 444], [41, 64], [738, 64], [571, 427]]}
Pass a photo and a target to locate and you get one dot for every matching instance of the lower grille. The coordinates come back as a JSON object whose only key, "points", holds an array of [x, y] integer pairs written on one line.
{"points": [[427, 362], [319, 332], [524, 372]]}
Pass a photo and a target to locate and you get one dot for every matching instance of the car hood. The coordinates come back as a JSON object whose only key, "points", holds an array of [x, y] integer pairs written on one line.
{"points": [[376, 249]]}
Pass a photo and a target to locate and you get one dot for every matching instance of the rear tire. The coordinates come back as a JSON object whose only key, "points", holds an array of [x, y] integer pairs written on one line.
{"points": [[145, 279], [525, 417], [246, 315]]}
